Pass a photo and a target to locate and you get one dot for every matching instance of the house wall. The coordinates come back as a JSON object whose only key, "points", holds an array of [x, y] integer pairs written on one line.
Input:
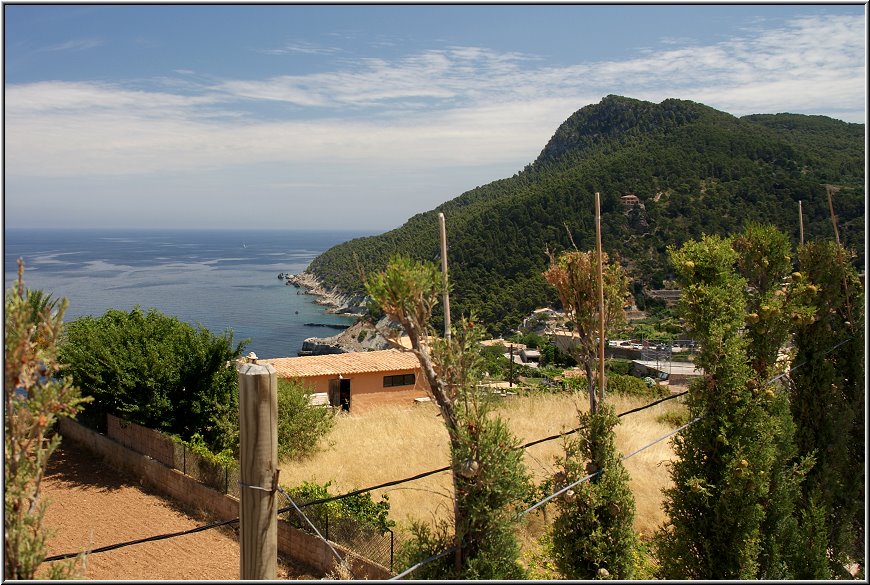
{"points": [[365, 383]]}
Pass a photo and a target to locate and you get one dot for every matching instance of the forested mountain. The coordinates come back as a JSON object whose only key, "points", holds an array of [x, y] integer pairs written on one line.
{"points": [[693, 169]]}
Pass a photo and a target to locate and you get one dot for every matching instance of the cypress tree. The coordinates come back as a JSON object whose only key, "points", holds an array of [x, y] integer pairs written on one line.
{"points": [[722, 479], [827, 398]]}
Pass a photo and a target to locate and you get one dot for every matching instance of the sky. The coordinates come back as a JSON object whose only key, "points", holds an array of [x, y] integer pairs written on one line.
{"points": [[360, 116]]}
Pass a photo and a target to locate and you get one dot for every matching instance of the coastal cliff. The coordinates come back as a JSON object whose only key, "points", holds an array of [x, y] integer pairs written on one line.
{"points": [[361, 336], [338, 303]]}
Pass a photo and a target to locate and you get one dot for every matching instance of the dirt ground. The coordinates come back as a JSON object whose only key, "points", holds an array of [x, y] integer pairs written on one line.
{"points": [[92, 505]]}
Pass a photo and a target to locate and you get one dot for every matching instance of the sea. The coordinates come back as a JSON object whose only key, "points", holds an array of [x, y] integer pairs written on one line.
{"points": [[218, 279]]}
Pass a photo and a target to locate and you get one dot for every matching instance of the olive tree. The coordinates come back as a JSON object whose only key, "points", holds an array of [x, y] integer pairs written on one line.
{"points": [[488, 473]]}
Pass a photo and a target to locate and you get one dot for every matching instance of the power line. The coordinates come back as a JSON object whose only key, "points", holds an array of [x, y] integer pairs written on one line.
{"points": [[338, 497], [632, 454]]}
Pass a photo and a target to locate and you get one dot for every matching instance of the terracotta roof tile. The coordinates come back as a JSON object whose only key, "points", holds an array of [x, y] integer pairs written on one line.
{"points": [[344, 363]]}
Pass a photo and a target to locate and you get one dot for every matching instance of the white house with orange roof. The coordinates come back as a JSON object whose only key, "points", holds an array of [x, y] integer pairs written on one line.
{"points": [[343, 376]]}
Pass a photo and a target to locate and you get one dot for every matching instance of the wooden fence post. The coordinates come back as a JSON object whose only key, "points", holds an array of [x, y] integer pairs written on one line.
{"points": [[258, 470]]}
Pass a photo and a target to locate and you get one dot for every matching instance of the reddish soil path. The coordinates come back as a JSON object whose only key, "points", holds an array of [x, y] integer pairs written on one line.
{"points": [[92, 505]]}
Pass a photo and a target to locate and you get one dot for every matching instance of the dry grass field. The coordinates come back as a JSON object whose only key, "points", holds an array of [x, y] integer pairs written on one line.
{"points": [[396, 441]]}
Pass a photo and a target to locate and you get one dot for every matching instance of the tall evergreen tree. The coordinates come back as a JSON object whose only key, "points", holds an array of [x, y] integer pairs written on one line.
{"points": [[593, 536], [777, 301], [722, 476], [828, 400]]}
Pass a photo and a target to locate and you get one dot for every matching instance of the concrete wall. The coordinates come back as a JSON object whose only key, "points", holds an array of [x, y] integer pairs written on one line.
{"points": [[296, 544], [141, 439]]}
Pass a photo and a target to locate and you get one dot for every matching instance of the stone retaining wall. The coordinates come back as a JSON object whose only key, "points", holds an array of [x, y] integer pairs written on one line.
{"points": [[295, 543]]}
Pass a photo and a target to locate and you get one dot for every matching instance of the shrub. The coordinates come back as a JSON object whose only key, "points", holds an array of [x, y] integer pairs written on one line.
{"points": [[360, 507], [631, 386], [301, 426], [155, 370], [34, 397], [593, 535]]}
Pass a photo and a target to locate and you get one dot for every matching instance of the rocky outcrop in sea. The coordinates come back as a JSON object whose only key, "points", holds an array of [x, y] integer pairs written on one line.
{"points": [[338, 303], [361, 336]]}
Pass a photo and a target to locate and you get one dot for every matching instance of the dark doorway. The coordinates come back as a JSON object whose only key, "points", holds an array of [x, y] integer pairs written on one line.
{"points": [[344, 394]]}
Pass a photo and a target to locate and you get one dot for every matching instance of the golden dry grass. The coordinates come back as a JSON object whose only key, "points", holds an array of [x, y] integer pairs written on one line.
{"points": [[393, 442]]}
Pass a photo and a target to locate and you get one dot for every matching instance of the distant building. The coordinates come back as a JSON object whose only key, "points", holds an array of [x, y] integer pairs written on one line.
{"points": [[630, 200], [530, 357], [342, 376]]}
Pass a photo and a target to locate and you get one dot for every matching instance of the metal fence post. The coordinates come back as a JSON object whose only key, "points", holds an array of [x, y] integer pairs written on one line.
{"points": [[184, 457], [327, 524], [391, 550]]}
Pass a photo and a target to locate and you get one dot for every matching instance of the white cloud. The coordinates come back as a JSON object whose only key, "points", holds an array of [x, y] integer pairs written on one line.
{"points": [[302, 48], [453, 108], [74, 45]]}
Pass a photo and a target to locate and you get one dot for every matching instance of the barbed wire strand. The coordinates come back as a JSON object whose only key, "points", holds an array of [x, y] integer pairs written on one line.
{"points": [[556, 494], [405, 480], [423, 562], [591, 475], [338, 497], [141, 540]]}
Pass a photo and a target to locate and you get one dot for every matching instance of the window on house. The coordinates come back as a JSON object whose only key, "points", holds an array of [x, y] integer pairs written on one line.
{"points": [[400, 380]]}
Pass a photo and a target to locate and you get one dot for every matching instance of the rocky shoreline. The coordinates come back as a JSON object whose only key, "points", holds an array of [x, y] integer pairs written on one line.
{"points": [[338, 303], [348, 340]]}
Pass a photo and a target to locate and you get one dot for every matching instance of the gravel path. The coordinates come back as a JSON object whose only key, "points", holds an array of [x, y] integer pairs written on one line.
{"points": [[92, 505]]}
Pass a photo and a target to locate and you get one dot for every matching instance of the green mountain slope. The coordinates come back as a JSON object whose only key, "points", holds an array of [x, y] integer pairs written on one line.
{"points": [[694, 169]]}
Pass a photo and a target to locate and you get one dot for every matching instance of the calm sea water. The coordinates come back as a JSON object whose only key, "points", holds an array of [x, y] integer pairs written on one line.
{"points": [[219, 279]]}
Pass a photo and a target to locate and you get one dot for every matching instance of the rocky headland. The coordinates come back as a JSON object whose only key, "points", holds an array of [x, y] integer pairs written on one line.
{"points": [[338, 303], [361, 336]]}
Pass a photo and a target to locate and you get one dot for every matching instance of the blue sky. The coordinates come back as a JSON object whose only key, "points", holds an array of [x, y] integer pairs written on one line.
{"points": [[355, 116]]}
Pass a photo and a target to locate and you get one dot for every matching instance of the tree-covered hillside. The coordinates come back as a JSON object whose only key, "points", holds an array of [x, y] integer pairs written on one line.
{"points": [[694, 169]]}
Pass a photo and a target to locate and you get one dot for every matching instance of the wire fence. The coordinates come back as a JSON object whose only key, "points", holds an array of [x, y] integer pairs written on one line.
{"points": [[361, 537], [154, 444], [219, 477]]}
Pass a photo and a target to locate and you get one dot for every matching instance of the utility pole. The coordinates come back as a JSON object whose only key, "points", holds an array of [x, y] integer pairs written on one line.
{"points": [[830, 189], [511, 371], [258, 470], [801, 218], [444, 275], [600, 302]]}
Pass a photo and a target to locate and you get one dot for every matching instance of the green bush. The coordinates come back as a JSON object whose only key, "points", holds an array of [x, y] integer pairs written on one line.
{"points": [[301, 426], [629, 385], [155, 370], [674, 418], [618, 366], [360, 507]]}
